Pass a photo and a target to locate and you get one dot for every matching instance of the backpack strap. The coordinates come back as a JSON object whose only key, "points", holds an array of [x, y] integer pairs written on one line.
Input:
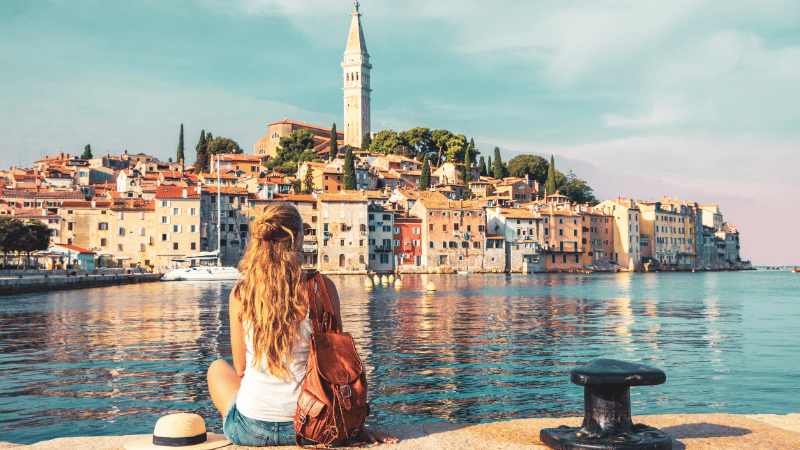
{"points": [[325, 320]]}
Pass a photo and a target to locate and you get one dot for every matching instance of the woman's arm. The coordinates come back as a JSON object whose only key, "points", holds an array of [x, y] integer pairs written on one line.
{"points": [[238, 347]]}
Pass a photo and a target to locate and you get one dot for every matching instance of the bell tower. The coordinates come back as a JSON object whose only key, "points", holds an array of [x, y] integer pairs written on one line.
{"points": [[356, 84]]}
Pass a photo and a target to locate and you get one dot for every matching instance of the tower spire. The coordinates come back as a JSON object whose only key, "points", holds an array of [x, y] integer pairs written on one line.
{"points": [[356, 83]]}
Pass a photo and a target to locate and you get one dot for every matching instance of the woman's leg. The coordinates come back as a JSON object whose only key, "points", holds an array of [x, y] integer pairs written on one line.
{"points": [[223, 385]]}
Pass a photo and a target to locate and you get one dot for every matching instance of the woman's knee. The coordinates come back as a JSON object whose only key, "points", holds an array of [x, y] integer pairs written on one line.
{"points": [[217, 368]]}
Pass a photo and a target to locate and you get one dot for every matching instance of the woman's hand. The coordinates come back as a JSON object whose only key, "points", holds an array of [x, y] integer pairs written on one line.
{"points": [[372, 436]]}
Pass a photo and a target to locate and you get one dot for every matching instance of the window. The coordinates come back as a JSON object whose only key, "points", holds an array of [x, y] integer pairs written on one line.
{"points": [[193, 229], [176, 211], [341, 242], [223, 243], [384, 258], [430, 227], [164, 236], [415, 231], [455, 227], [388, 228], [415, 243], [192, 211], [174, 245], [574, 232], [430, 244], [119, 247], [102, 242], [176, 228], [396, 230], [444, 228], [560, 231], [164, 219], [141, 231], [121, 231], [102, 226], [70, 225]]}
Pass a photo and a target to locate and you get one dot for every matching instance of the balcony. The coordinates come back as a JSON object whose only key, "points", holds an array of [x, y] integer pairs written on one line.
{"points": [[382, 249]]}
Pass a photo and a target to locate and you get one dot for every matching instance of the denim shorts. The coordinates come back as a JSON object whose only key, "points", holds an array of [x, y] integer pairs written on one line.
{"points": [[247, 432]]}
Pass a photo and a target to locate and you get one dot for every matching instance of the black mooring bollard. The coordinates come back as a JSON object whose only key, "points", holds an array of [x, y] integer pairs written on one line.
{"points": [[607, 421]]}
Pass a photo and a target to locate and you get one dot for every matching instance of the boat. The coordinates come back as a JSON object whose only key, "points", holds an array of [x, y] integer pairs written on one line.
{"points": [[795, 269], [203, 268]]}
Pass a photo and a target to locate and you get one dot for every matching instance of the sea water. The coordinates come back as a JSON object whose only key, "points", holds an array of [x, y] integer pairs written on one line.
{"points": [[111, 361]]}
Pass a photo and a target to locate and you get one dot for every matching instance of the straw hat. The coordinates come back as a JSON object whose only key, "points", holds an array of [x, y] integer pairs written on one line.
{"points": [[181, 430]]}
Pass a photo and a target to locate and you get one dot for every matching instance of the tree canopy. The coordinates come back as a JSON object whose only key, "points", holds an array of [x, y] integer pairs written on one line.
{"points": [[87, 152], [221, 146], [425, 176], [293, 149], [366, 141], [385, 142], [17, 237], [550, 184], [534, 166]]}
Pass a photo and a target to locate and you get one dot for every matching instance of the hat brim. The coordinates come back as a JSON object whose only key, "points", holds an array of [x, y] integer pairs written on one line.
{"points": [[146, 443]]}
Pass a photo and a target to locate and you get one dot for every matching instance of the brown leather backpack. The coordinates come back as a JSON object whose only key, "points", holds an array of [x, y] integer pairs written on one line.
{"points": [[332, 406]]}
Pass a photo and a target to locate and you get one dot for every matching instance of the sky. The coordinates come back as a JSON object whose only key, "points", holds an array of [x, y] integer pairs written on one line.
{"points": [[698, 100]]}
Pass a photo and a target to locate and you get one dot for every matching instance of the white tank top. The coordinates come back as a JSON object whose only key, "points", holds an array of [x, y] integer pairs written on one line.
{"points": [[262, 396]]}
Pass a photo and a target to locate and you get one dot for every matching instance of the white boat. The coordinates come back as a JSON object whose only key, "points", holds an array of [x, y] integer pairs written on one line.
{"points": [[203, 267]]}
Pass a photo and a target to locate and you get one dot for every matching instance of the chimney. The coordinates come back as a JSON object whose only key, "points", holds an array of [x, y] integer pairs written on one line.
{"points": [[185, 193], [94, 204], [44, 212]]}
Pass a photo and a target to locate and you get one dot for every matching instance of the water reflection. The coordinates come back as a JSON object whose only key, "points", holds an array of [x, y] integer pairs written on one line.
{"points": [[482, 347]]}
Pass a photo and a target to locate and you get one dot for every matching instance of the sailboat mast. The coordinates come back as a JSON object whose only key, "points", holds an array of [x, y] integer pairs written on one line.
{"points": [[219, 218]]}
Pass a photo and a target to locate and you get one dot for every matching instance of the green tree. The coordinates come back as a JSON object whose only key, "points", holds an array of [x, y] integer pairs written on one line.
{"points": [[180, 146], [385, 142], [425, 177], [456, 146], [309, 182], [578, 191], [10, 234], [349, 169], [419, 141], [222, 146], [293, 149], [534, 166], [440, 138], [366, 141], [35, 237], [467, 171], [201, 164], [497, 170], [489, 167], [482, 167], [550, 184], [87, 152], [334, 144]]}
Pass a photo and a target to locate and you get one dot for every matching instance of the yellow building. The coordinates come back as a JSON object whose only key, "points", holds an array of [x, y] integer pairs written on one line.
{"points": [[85, 224], [344, 233], [177, 223], [131, 232], [627, 237]]}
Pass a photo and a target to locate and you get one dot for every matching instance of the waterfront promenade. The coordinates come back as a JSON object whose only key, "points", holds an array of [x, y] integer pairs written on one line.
{"points": [[688, 432], [22, 281]]}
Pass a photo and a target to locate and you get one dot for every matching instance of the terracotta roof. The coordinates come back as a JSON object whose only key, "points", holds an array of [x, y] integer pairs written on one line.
{"points": [[228, 190], [292, 122], [296, 197], [450, 204], [86, 204], [74, 248], [517, 213], [171, 174], [342, 197], [175, 192]]}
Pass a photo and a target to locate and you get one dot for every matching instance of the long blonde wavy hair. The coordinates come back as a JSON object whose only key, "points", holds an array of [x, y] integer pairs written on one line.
{"points": [[269, 290]]}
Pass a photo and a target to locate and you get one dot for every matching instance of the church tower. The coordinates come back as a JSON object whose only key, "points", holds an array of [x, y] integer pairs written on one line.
{"points": [[356, 84]]}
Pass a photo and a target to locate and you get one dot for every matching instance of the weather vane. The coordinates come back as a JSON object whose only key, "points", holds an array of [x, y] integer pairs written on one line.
{"points": [[357, 5]]}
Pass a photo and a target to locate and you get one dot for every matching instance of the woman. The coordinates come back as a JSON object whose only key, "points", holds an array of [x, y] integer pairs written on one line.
{"points": [[270, 334]]}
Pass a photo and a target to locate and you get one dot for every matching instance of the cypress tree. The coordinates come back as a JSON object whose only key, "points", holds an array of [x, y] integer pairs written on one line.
{"points": [[550, 184], [489, 166], [87, 152], [334, 153], [467, 177], [309, 182], [180, 146], [498, 165], [425, 177], [482, 167], [366, 142], [349, 169], [202, 156]]}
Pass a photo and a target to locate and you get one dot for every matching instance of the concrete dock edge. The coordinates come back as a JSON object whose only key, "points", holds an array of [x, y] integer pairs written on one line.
{"points": [[688, 432]]}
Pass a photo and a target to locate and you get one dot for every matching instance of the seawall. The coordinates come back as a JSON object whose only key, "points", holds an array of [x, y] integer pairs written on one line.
{"points": [[24, 281]]}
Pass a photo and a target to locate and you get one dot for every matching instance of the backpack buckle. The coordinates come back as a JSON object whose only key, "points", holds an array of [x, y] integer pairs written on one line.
{"points": [[345, 391], [301, 418]]}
